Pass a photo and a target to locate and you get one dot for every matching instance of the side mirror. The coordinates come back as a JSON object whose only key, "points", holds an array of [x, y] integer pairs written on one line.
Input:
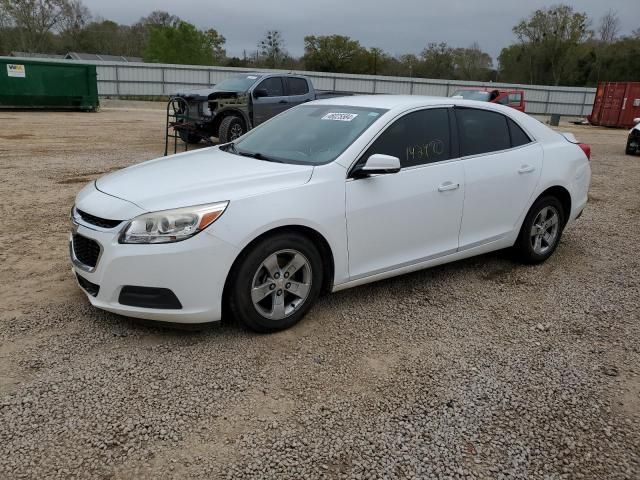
{"points": [[636, 121], [260, 92], [378, 164]]}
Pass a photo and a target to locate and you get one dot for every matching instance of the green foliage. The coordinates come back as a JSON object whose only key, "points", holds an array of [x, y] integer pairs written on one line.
{"points": [[551, 37], [555, 46], [334, 53], [622, 60], [271, 49], [184, 44], [34, 21], [472, 64]]}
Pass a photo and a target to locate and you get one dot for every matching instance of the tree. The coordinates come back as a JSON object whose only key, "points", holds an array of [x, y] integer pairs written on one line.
{"points": [[160, 18], [216, 45], [514, 65], [438, 61], [103, 37], [183, 44], [409, 65], [334, 53], [35, 21], [73, 23], [472, 63], [271, 48], [550, 37], [621, 60], [609, 26]]}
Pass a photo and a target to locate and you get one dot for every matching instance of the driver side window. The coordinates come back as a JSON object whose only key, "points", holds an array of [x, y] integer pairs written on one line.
{"points": [[273, 86], [417, 138]]}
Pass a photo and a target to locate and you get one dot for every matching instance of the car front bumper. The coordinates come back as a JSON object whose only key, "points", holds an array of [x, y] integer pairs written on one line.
{"points": [[194, 270]]}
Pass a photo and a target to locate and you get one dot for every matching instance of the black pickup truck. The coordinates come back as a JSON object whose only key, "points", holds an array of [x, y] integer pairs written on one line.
{"points": [[236, 105]]}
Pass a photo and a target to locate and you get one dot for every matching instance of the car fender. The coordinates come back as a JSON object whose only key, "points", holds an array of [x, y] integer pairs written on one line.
{"points": [[319, 205], [565, 165], [233, 110]]}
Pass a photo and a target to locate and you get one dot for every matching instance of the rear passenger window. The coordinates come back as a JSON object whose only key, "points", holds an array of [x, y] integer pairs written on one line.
{"points": [[416, 138], [518, 137], [481, 131], [298, 86]]}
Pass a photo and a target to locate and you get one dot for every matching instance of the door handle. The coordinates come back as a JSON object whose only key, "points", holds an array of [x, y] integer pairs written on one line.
{"points": [[283, 101], [526, 169], [446, 186]]}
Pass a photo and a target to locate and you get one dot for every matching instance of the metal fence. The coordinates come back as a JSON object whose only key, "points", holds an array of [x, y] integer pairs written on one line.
{"points": [[116, 79]]}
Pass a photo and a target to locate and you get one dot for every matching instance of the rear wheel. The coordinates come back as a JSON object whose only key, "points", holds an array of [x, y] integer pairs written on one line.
{"points": [[276, 282], [629, 150], [231, 127], [541, 231]]}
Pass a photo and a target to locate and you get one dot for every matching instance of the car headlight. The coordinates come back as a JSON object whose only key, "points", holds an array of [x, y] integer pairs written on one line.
{"points": [[171, 225]]}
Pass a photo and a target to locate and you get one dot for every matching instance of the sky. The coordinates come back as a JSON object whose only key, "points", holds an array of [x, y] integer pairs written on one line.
{"points": [[396, 26]]}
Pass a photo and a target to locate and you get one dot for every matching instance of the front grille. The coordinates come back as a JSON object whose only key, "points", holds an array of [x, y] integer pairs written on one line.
{"points": [[97, 221], [86, 250], [91, 288]]}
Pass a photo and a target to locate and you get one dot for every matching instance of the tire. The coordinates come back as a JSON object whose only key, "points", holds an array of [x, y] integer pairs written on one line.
{"points": [[231, 128], [261, 295], [188, 137], [629, 150], [535, 246]]}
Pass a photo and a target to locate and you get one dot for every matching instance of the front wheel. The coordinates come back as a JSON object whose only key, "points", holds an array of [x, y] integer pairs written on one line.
{"points": [[541, 231], [231, 127], [276, 282], [189, 137]]}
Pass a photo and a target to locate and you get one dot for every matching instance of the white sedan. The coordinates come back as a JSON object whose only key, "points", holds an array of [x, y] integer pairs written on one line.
{"points": [[323, 197]]}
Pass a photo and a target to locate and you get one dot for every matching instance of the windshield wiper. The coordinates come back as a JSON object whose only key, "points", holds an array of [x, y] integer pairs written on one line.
{"points": [[256, 155], [231, 148]]}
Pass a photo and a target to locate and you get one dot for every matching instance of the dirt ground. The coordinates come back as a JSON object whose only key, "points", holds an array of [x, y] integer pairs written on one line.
{"points": [[478, 369]]}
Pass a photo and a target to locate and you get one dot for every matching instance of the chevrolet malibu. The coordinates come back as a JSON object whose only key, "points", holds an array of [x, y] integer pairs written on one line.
{"points": [[326, 196]]}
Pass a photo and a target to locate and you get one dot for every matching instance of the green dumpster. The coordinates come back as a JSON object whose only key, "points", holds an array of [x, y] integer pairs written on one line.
{"points": [[30, 83]]}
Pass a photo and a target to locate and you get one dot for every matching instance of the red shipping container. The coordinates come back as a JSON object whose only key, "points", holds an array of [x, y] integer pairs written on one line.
{"points": [[616, 104]]}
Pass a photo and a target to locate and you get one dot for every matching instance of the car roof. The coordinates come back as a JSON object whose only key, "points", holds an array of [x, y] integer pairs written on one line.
{"points": [[404, 102], [269, 74], [397, 104]]}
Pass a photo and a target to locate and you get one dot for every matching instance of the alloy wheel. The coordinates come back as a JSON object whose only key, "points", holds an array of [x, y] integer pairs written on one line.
{"points": [[545, 229], [235, 131], [281, 284]]}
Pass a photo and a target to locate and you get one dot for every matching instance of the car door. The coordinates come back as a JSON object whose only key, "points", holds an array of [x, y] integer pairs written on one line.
{"points": [[395, 220], [297, 91], [275, 102], [515, 101], [502, 166]]}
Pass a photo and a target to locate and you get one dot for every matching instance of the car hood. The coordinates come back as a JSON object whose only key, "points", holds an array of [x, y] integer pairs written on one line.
{"points": [[206, 93], [203, 176]]}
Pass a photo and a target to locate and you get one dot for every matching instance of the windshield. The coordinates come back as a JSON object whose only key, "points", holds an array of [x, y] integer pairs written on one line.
{"points": [[240, 83], [480, 95], [308, 135]]}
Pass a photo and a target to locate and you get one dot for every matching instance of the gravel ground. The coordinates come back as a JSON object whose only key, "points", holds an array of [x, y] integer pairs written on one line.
{"points": [[478, 369]]}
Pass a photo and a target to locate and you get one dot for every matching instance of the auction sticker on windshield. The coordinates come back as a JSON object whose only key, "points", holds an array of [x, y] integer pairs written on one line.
{"points": [[341, 117]]}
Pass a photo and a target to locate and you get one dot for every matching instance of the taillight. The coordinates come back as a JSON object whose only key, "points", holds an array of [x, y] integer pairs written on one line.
{"points": [[586, 149]]}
